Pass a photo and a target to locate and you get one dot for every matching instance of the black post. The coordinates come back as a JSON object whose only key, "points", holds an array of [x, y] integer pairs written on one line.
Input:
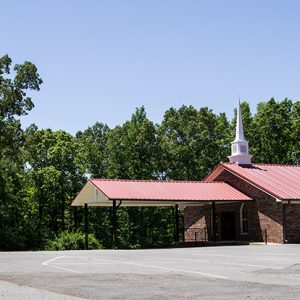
{"points": [[86, 226], [266, 236], [75, 218], [177, 223], [214, 221], [284, 222], [114, 224]]}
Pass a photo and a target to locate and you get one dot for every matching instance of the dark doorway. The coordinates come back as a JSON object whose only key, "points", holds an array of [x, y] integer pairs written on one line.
{"points": [[228, 225]]}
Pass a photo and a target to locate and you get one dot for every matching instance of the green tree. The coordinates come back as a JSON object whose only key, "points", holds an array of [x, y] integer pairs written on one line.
{"points": [[15, 82], [295, 133], [273, 138], [93, 149], [192, 142], [55, 175], [133, 148], [13, 91]]}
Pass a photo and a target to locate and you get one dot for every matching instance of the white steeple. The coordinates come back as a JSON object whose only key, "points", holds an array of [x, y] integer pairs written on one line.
{"points": [[239, 147]]}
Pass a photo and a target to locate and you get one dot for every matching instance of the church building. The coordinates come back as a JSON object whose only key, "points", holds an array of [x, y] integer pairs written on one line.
{"points": [[272, 215], [237, 201]]}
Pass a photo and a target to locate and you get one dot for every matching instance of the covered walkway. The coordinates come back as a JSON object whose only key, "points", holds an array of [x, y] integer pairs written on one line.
{"points": [[129, 193]]}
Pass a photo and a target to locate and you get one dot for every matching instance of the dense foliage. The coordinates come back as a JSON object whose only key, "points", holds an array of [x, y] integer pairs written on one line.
{"points": [[72, 241], [42, 170]]}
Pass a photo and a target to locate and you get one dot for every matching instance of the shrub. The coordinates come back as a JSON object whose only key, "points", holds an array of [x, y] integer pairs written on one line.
{"points": [[12, 240], [72, 241]]}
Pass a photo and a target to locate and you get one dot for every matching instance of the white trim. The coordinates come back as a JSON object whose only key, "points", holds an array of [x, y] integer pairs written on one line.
{"points": [[291, 202], [91, 194], [242, 207], [212, 225]]}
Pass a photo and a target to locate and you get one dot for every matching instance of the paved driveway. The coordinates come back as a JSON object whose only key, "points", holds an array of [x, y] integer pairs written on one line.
{"points": [[240, 272]]}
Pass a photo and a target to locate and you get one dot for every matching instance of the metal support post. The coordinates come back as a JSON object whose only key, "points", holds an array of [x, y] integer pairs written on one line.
{"points": [[86, 226], [266, 237], [114, 224], [284, 223], [75, 218], [177, 223], [214, 217]]}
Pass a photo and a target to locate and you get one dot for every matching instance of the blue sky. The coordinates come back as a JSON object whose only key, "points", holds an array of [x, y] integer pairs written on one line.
{"points": [[101, 59]]}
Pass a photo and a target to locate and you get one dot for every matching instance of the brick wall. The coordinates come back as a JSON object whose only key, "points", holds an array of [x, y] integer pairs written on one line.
{"points": [[196, 219]]}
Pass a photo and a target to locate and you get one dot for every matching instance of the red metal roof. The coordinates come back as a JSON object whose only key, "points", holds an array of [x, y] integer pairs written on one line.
{"points": [[167, 190], [281, 181]]}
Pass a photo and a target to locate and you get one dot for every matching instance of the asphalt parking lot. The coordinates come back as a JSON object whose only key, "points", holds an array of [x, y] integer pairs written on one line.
{"points": [[241, 272]]}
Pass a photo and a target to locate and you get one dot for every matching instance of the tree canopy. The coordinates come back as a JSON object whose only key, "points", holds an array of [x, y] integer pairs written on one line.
{"points": [[15, 82]]}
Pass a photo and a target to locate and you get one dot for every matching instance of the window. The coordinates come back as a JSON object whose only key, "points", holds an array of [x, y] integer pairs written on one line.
{"points": [[243, 149], [212, 223], [244, 219], [234, 148]]}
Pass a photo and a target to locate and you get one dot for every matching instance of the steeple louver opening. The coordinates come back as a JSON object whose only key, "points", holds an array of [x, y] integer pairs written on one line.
{"points": [[239, 147]]}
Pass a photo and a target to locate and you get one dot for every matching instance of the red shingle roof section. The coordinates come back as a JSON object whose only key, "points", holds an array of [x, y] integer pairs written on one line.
{"points": [[168, 190], [281, 181]]}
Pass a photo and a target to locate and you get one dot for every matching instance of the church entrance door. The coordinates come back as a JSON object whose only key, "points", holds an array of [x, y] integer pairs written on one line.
{"points": [[228, 225]]}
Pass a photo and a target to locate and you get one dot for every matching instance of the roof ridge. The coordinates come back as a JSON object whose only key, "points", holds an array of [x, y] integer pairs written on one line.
{"points": [[153, 180], [263, 164], [280, 165]]}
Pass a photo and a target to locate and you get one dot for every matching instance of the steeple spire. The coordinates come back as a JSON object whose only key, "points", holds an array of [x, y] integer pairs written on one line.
{"points": [[239, 131], [239, 147]]}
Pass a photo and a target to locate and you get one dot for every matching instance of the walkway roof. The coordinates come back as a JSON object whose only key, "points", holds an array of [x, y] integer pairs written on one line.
{"points": [[101, 192], [280, 181]]}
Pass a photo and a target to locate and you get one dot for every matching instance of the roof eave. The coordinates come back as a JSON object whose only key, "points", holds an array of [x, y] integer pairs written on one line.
{"points": [[214, 173]]}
